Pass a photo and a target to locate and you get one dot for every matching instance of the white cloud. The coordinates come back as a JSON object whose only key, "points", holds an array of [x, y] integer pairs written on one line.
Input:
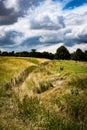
{"points": [[76, 46], [52, 24], [50, 48], [12, 4], [1, 49]]}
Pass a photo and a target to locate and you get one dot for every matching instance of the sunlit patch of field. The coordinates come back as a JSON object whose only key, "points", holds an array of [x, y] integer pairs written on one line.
{"points": [[10, 67]]}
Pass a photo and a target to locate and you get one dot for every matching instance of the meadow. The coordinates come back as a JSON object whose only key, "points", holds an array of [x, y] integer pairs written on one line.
{"points": [[41, 94]]}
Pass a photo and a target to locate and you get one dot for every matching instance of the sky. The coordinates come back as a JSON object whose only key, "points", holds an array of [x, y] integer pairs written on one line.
{"points": [[43, 25]]}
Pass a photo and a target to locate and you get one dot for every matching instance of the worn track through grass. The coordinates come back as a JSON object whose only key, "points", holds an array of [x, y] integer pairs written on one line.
{"points": [[47, 96]]}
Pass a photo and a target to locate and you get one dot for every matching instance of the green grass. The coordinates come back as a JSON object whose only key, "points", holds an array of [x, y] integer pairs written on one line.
{"points": [[51, 71], [70, 66], [13, 66], [52, 96]]}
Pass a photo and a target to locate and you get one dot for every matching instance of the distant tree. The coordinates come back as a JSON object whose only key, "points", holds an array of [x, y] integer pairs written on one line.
{"points": [[79, 55], [73, 56], [62, 53], [33, 50], [22, 54], [51, 56], [47, 55], [11, 53], [86, 55], [5, 53], [0, 52], [33, 53]]}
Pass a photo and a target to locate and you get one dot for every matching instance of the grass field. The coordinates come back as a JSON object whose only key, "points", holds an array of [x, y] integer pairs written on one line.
{"points": [[13, 66], [51, 95]]}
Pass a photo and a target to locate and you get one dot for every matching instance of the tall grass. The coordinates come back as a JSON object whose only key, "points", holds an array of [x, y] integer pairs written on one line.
{"points": [[41, 117], [59, 108], [15, 82], [79, 81], [43, 86]]}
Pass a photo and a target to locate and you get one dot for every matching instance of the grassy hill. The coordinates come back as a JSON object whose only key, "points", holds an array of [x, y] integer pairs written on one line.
{"points": [[41, 94]]}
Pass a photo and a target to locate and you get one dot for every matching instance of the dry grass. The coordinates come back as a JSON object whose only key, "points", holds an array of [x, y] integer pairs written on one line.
{"points": [[50, 108]]}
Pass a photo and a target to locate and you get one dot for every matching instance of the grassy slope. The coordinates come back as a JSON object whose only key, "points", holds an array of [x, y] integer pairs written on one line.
{"points": [[52, 90], [11, 67], [59, 84], [51, 71]]}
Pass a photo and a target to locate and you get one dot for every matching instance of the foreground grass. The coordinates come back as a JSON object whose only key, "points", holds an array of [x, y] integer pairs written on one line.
{"points": [[53, 97], [60, 89]]}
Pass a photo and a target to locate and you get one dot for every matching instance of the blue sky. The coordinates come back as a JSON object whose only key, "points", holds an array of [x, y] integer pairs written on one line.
{"points": [[43, 24]]}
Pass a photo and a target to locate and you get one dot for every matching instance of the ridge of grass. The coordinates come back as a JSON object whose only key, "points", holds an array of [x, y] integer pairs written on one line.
{"points": [[58, 100]]}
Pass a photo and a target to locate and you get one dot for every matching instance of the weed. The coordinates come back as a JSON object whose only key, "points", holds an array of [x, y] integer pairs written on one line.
{"points": [[44, 86], [61, 68]]}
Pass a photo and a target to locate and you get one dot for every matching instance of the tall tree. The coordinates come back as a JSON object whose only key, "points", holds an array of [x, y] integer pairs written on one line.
{"points": [[86, 55], [79, 55], [0, 52], [62, 53]]}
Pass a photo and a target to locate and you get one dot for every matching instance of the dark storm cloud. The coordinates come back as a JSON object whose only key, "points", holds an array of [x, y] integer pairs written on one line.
{"points": [[9, 19], [82, 38], [43, 24], [10, 16], [8, 39], [7, 16], [3, 10]]}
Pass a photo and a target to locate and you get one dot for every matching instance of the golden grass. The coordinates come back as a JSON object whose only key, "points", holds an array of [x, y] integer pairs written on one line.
{"points": [[11, 67]]}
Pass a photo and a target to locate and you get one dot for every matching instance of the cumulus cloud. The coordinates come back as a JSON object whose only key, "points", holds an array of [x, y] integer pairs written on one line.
{"points": [[49, 48], [48, 23], [42, 25], [11, 4]]}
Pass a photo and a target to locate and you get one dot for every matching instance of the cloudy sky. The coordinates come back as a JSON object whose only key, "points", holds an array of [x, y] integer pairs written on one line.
{"points": [[43, 25]]}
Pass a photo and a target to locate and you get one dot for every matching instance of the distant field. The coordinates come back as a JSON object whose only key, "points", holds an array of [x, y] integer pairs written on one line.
{"points": [[10, 67], [51, 96]]}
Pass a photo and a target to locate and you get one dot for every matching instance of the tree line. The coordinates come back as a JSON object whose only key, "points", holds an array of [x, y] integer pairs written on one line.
{"points": [[62, 53]]}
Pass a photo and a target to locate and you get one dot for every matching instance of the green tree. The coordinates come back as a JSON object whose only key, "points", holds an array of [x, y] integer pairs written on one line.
{"points": [[79, 55], [0, 52], [62, 53], [86, 55], [33, 50]]}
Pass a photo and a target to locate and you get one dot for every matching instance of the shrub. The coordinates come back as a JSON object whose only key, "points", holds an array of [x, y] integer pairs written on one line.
{"points": [[61, 68]]}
